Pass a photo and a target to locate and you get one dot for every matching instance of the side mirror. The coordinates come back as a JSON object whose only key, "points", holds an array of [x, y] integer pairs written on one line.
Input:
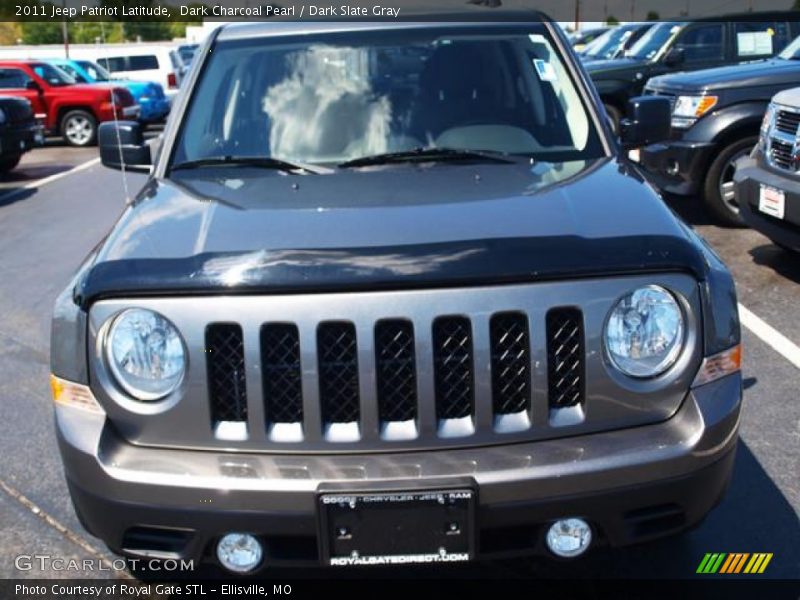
{"points": [[648, 121], [31, 84], [122, 142], [674, 56]]}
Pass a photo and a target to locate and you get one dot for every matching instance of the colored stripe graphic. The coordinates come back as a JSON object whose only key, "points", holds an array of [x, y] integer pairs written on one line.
{"points": [[734, 563], [711, 562]]}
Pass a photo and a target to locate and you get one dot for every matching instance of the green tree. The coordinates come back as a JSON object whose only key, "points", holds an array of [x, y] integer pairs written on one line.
{"points": [[654, 16], [612, 20]]}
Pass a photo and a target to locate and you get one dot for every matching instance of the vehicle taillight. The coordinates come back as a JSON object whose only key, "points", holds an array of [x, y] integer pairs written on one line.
{"points": [[172, 80]]}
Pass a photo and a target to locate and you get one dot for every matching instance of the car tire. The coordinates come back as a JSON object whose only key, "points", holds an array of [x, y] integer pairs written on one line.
{"points": [[79, 128], [785, 248], [718, 186], [615, 116], [8, 163]]}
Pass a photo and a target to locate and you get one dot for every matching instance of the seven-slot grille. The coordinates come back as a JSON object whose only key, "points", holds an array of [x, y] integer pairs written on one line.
{"points": [[454, 372]]}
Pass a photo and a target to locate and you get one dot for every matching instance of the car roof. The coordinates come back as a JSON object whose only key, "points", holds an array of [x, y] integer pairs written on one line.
{"points": [[276, 27]]}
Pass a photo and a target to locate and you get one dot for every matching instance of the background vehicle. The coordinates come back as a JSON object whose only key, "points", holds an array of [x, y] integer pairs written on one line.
{"points": [[716, 118], [580, 39], [66, 108], [767, 183], [328, 181], [614, 42], [147, 94], [689, 46], [141, 62], [158, 62], [19, 131]]}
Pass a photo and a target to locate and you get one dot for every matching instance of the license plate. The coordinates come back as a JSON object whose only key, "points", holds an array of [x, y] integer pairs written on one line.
{"points": [[396, 528], [771, 201]]}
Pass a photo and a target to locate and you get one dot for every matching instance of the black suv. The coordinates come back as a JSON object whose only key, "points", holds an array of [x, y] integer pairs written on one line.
{"points": [[365, 287], [716, 117], [19, 131], [688, 46]]}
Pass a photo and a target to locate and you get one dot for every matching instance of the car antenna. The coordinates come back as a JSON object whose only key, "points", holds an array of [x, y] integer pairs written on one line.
{"points": [[119, 149]]}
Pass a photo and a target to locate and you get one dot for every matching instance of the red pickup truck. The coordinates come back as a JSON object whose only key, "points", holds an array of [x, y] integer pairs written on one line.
{"points": [[65, 107]]}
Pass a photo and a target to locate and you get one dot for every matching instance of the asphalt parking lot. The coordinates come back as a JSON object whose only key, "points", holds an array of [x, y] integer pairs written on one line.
{"points": [[59, 203]]}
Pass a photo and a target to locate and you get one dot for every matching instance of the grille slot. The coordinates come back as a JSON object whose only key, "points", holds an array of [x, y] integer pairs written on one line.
{"points": [[396, 371], [337, 355], [282, 376], [787, 122], [511, 363], [782, 154], [453, 370], [565, 357], [226, 372]]}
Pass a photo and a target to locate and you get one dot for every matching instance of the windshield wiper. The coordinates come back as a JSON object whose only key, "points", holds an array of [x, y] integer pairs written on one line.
{"points": [[261, 162], [423, 155]]}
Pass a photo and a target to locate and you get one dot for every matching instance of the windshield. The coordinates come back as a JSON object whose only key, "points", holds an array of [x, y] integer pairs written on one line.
{"points": [[610, 43], [73, 72], [651, 43], [336, 98], [94, 70], [52, 75], [792, 51]]}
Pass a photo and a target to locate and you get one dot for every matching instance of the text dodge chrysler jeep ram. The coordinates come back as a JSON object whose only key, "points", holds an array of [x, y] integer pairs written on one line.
{"points": [[385, 274]]}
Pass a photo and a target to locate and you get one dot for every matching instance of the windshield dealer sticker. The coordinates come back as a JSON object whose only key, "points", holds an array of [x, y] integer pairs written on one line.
{"points": [[544, 69]]}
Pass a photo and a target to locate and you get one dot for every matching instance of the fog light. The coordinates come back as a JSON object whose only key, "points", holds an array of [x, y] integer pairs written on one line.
{"points": [[673, 168], [239, 552], [569, 537]]}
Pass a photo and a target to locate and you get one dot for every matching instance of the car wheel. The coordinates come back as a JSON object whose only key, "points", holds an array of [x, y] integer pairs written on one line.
{"points": [[8, 163], [718, 188], [615, 116], [79, 128]]}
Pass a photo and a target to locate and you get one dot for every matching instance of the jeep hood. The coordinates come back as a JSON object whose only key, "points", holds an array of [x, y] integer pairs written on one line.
{"points": [[773, 72], [242, 230], [613, 67]]}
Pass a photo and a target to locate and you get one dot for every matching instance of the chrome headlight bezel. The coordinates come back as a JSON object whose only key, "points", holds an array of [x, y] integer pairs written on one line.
{"points": [[628, 366], [123, 380]]}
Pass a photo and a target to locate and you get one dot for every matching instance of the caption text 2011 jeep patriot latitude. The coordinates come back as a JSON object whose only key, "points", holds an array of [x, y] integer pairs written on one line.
{"points": [[391, 274]]}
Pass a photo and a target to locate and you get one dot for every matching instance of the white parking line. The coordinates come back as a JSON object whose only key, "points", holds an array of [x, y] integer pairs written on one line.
{"points": [[50, 178], [771, 336]]}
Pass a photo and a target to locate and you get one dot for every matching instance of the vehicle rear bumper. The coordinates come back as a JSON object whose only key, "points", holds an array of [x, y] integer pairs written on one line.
{"points": [[748, 179], [154, 109], [677, 167], [632, 485]]}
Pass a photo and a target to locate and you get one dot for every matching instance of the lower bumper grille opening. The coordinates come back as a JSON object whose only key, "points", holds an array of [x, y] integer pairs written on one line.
{"points": [[292, 548], [156, 542], [226, 380], [502, 540], [655, 520]]}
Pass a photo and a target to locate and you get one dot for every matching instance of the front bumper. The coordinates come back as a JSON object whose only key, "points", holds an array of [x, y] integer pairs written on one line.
{"points": [[631, 485], [749, 177], [677, 166], [18, 139]]}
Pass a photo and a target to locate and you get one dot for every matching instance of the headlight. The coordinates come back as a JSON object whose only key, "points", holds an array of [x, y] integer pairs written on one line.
{"points": [[145, 353], [644, 334], [769, 115], [690, 108]]}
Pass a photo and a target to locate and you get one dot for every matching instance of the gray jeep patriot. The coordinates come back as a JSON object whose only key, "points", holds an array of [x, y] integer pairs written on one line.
{"points": [[392, 294]]}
